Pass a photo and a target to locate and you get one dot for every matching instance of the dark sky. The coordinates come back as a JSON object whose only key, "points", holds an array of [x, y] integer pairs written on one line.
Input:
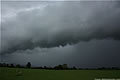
{"points": [[78, 33]]}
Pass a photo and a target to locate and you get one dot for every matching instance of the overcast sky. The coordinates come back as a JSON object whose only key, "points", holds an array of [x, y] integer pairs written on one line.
{"points": [[78, 33]]}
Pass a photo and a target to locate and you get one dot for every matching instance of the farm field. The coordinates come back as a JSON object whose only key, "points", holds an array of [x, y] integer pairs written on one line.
{"points": [[38, 74]]}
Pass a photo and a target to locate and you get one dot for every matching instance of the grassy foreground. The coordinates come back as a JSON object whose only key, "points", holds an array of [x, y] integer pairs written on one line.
{"points": [[38, 74]]}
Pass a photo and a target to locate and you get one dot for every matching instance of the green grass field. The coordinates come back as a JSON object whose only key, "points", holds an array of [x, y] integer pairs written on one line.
{"points": [[38, 74]]}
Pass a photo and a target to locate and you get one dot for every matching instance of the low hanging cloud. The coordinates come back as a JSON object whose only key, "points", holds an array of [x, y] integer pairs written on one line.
{"points": [[55, 24]]}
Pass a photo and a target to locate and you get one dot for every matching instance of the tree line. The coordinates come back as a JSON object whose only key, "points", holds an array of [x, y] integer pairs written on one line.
{"points": [[28, 65], [58, 67]]}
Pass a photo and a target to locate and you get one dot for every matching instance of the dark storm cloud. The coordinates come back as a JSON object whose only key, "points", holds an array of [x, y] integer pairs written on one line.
{"points": [[95, 53], [58, 24]]}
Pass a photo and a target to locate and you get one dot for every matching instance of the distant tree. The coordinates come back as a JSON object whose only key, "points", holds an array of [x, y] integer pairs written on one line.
{"points": [[4, 64], [7, 65], [40, 67], [45, 67], [64, 66], [80, 68], [58, 67], [12, 65], [18, 65], [0, 64], [74, 68], [28, 65]]}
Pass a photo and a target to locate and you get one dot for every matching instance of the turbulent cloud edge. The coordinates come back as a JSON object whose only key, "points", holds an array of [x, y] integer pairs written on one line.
{"points": [[60, 24]]}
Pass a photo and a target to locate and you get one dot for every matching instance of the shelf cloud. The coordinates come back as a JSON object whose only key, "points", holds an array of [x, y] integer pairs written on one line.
{"points": [[53, 24]]}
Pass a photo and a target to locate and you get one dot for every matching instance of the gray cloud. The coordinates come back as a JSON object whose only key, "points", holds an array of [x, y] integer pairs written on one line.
{"points": [[95, 53], [48, 25]]}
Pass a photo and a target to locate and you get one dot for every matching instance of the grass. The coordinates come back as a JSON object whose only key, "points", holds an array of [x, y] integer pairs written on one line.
{"points": [[38, 74]]}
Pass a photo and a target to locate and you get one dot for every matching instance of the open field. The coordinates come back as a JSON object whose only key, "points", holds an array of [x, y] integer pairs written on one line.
{"points": [[38, 74]]}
